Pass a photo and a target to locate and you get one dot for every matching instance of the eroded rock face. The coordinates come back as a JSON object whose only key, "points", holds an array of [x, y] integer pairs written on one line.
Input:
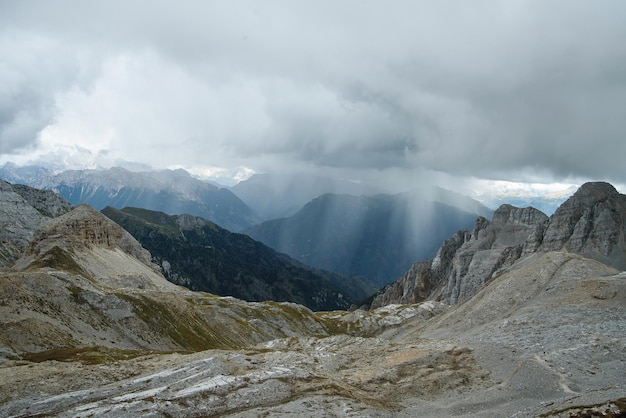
{"points": [[591, 223]]}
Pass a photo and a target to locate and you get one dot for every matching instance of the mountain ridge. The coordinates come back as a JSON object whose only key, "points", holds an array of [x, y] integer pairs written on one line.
{"points": [[170, 191], [377, 237], [202, 256], [275, 196], [590, 223]]}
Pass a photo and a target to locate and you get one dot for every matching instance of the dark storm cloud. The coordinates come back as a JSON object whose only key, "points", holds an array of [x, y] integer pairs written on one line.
{"points": [[489, 89]]}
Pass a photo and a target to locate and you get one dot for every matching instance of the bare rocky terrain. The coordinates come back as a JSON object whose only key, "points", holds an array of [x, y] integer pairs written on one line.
{"points": [[89, 327]]}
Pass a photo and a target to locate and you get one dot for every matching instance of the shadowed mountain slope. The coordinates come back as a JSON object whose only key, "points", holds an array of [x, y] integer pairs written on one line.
{"points": [[377, 237], [200, 255], [275, 196]]}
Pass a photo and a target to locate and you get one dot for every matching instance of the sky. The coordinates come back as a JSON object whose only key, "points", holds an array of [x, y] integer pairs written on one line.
{"points": [[399, 92]]}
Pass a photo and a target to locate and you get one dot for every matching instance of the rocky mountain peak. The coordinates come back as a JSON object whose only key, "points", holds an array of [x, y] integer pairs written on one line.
{"points": [[591, 223], [508, 214], [47, 202], [87, 243], [85, 227], [593, 192]]}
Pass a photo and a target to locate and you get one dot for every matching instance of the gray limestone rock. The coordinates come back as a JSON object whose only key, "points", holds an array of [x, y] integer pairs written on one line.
{"points": [[466, 261], [18, 221], [592, 223], [47, 202], [22, 210]]}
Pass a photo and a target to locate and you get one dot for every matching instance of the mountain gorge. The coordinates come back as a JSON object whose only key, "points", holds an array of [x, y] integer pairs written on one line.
{"points": [[377, 237], [202, 256], [90, 327]]}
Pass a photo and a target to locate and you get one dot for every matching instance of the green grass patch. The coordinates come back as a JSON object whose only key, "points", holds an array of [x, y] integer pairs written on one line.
{"points": [[185, 328], [59, 259], [85, 355]]}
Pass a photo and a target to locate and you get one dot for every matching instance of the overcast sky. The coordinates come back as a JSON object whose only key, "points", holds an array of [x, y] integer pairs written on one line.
{"points": [[512, 90]]}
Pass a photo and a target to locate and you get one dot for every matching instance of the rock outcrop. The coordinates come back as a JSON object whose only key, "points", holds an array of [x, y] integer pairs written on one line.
{"points": [[82, 228], [590, 223], [47, 202]]}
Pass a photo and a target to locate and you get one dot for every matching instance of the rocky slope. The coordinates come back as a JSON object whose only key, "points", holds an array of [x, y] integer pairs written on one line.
{"points": [[592, 223], [89, 327], [86, 286], [546, 339], [200, 255], [22, 209]]}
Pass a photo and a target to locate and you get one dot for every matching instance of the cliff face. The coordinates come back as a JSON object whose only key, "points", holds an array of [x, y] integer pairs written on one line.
{"points": [[591, 223], [467, 260]]}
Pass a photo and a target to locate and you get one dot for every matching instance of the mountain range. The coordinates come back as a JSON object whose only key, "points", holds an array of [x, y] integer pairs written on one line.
{"points": [[170, 191], [377, 237], [90, 327], [523, 195], [190, 251]]}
